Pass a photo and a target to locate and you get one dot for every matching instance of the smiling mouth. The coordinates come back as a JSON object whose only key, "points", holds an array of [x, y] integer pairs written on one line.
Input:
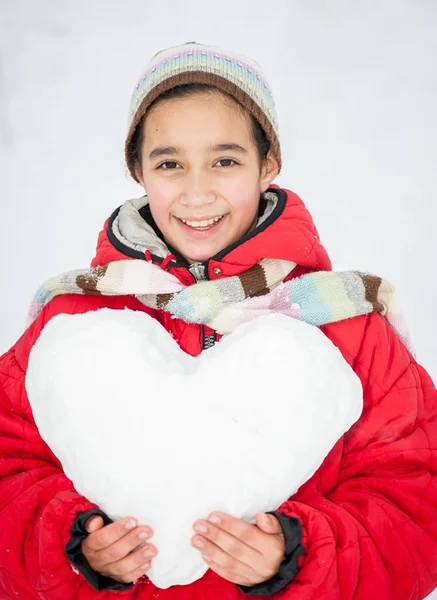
{"points": [[202, 225]]}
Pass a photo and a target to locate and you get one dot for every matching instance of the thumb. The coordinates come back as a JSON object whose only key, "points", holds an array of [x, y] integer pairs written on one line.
{"points": [[268, 523], [93, 524]]}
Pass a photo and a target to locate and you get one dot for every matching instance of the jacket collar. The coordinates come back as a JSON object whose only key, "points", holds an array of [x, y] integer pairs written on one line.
{"points": [[285, 230]]}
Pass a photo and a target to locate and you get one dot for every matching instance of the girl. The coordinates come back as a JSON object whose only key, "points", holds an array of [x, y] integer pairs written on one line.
{"points": [[203, 141]]}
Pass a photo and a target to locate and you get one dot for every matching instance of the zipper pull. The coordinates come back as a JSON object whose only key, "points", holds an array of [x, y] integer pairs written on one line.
{"points": [[198, 271]]}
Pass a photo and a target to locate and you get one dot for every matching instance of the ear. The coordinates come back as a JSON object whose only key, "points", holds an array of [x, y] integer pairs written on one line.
{"points": [[269, 171], [139, 173]]}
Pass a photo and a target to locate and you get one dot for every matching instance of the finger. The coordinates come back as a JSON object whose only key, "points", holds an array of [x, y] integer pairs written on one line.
{"points": [[133, 576], [137, 574], [249, 534], [228, 575], [139, 560], [124, 546], [110, 534], [236, 562], [93, 524], [231, 544], [268, 524]]}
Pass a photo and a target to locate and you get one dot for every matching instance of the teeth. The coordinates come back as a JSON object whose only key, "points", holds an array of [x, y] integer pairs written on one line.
{"points": [[200, 224]]}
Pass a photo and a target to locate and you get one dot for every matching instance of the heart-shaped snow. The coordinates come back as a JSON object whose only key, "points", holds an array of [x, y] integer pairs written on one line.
{"points": [[145, 430]]}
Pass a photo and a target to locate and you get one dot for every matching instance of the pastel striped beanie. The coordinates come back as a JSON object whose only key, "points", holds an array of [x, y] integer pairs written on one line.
{"points": [[237, 75]]}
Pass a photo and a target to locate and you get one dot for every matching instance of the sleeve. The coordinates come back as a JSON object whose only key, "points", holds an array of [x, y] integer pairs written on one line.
{"points": [[38, 504], [373, 534], [74, 553]]}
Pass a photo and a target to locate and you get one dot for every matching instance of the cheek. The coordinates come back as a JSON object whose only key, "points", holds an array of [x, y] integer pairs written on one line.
{"points": [[244, 200], [241, 189], [160, 200]]}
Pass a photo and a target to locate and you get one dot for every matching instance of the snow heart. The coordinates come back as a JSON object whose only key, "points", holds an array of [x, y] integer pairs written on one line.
{"points": [[145, 430]]}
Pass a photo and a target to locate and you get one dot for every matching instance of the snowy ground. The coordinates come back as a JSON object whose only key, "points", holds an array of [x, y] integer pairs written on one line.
{"points": [[356, 89]]}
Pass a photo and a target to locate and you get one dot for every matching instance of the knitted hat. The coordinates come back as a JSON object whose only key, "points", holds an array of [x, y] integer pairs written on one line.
{"points": [[237, 75]]}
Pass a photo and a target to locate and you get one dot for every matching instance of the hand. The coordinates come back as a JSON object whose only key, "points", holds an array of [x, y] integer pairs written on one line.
{"points": [[118, 550], [241, 553]]}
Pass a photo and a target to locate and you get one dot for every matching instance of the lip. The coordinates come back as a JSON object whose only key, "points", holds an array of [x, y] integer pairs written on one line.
{"points": [[201, 234], [197, 219]]}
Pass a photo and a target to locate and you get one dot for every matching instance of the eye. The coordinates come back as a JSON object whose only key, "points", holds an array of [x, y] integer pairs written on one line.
{"points": [[227, 160], [168, 165]]}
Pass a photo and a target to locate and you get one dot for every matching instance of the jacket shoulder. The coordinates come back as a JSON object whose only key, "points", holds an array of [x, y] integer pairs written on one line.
{"points": [[399, 395], [373, 349], [348, 336]]}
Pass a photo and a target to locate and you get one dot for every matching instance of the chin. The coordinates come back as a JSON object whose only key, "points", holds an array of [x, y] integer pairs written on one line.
{"points": [[196, 255], [199, 257]]}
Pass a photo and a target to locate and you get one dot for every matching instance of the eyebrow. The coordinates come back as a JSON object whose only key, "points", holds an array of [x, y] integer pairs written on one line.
{"points": [[164, 150], [172, 150], [233, 147]]}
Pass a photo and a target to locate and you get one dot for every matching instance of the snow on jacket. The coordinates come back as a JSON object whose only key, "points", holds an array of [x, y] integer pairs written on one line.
{"points": [[368, 515]]}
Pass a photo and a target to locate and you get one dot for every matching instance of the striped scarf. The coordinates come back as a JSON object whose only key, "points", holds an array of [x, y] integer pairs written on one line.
{"points": [[317, 298]]}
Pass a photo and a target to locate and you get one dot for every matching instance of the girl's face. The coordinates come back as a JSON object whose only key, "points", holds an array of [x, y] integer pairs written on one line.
{"points": [[201, 169]]}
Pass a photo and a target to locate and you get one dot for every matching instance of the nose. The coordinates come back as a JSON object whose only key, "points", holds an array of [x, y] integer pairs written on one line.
{"points": [[197, 190]]}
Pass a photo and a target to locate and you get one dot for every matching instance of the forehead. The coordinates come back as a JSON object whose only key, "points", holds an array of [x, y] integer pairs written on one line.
{"points": [[196, 117]]}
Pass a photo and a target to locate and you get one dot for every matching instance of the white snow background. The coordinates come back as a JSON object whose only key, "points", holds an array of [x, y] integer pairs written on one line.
{"points": [[356, 90]]}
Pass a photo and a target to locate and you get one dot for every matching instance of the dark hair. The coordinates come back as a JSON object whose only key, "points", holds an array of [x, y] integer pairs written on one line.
{"points": [[189, 89]]}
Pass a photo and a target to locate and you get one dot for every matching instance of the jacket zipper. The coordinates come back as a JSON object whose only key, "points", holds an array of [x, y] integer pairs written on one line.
{"points": [[200, 273]]}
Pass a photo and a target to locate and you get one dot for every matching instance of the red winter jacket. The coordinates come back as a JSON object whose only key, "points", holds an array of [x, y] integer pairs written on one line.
{"points": [[369, 514]]}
